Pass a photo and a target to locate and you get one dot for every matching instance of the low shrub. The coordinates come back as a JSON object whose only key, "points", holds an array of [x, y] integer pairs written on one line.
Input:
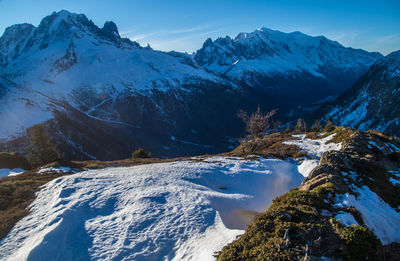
{"points": [[140, 153], [360, 242]]}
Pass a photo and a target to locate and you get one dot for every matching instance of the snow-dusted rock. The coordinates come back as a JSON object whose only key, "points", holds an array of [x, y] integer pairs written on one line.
{"points": [[373, 102]]}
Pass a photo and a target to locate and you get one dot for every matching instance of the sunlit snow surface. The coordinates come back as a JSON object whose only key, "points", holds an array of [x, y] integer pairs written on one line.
{"points": [[183, 210], [314, 150], [377, 215]]}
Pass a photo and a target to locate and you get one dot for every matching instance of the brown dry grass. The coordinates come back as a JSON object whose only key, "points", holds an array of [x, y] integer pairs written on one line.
{"points": [[16, 193], [343, 134], [268, 146]]}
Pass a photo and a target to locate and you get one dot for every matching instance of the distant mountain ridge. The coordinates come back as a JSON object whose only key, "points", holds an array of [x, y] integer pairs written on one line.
{"points": [[102, 95], [294, 65], [286, 53]]}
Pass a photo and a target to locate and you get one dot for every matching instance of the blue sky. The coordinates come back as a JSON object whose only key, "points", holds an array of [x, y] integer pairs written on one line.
{"points": [[184, 25]]}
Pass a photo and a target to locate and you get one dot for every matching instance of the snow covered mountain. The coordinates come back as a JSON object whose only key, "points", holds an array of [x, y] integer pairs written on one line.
{"points": [[102, 96], [92, 83], [261, 57], [373, 102]]}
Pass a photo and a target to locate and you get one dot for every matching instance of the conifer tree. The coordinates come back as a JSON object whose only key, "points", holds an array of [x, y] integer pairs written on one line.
{"points": [[301, 126], [316, 127], [41, 150], [329, 126]]}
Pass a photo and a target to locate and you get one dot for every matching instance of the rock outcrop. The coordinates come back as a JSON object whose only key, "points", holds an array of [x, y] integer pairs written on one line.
{"points": [[339, 212]]}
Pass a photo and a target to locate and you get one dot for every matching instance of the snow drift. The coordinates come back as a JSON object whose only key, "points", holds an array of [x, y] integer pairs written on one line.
{"points": [[167, 211]]}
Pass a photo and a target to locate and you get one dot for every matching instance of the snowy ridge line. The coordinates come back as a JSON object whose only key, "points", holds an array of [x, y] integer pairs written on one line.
{"points": [[314, 149]]}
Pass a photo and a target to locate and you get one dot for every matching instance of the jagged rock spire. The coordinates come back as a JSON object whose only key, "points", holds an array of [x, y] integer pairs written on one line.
{"points": [[110, 30]]}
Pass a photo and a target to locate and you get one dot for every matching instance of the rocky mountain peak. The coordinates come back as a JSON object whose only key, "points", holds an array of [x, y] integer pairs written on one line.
{"points": [[13, 40], [16, 32], [64, 24], [271, 52], [110, 30], [391, 64]]}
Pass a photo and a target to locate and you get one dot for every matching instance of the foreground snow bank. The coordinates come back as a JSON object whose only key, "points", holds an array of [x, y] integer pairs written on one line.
{"points": [[179, 210]]}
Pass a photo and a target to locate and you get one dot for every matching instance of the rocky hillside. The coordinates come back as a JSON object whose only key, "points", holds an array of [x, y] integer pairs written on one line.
{"points": [[346, 209], [101, 95], [373, 102]]}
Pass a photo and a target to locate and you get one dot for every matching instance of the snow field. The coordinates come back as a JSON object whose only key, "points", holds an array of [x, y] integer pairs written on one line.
{"points": [[167, 211]]}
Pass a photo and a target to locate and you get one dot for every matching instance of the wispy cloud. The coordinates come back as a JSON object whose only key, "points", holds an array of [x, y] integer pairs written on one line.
{"points": [[169, 33], [389, 39], [139, 37], [189, 30], [362, 39], [179, 39], [347, 38], [172, 42]]}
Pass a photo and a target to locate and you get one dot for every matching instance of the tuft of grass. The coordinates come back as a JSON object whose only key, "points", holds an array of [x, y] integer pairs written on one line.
{"points": [[297, 213], [312, 135], [343, 135], [360, 242], [381, 135]]}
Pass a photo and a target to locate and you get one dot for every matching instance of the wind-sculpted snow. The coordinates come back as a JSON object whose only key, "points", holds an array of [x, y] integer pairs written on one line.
{"points": [[168, 211]]}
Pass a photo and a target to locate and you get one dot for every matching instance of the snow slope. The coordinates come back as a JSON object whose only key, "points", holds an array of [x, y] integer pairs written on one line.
{"points": [[377, 215], [167, 211], [314, 149], [68, 72], [372, 102]]}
